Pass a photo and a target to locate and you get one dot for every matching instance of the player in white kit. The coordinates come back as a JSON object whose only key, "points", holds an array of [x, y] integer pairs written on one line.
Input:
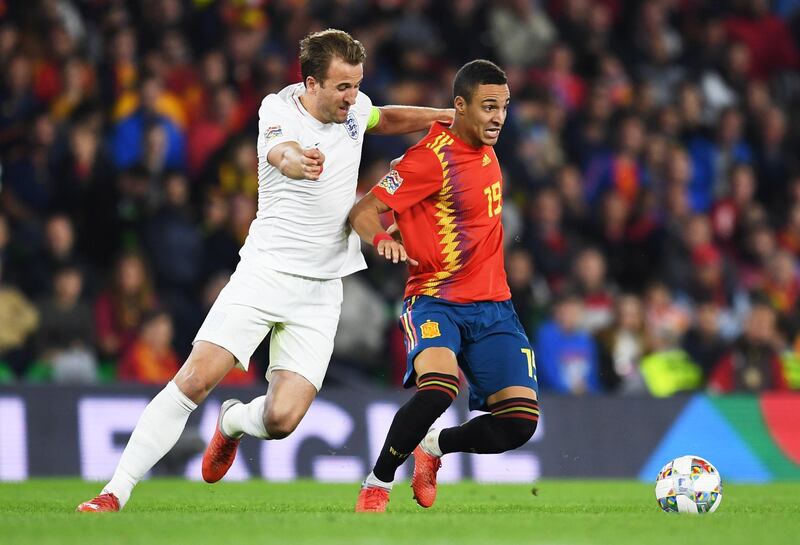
{"points": [[289, 277]]}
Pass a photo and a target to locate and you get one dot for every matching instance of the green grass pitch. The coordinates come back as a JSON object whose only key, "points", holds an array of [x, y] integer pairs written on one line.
{"points": [[178, 512]]}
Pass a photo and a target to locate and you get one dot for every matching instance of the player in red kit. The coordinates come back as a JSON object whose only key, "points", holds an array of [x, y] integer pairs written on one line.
{"points": [[446, 195]]}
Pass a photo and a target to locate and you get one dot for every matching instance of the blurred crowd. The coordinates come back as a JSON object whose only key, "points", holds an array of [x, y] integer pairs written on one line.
{"points": [[651, 200]]}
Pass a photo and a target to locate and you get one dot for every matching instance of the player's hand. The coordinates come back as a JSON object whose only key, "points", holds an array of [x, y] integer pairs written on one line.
{"points": [[394, 230], [311, 163], [395, 252]]}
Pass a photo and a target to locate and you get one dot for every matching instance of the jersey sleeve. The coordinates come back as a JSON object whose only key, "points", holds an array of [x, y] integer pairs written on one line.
{"points": [[417, 176], [276, 125], [363, 110]]}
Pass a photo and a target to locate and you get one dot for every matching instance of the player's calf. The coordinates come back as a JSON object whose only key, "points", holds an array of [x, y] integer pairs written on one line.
{"points": [[289, 397], [508, 433], [510, 425], [435, 393]]}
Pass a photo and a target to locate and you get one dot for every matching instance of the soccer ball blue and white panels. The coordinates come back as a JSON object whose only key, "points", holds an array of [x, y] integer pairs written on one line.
{"points": [[689, 484]]}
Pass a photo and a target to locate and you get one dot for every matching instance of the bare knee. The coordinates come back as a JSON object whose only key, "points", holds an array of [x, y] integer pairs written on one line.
{"points": [[280, 423], [193, 387], [203, 370]]}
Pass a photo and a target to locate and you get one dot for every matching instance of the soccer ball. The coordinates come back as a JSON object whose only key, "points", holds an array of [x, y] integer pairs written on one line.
{"points": [[689, 484]]}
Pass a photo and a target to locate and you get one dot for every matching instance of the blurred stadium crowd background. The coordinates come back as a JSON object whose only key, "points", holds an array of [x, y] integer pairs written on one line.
{"points": [[651, 201]]}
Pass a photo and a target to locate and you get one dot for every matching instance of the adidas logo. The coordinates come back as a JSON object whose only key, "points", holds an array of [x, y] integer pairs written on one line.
{"points": [[486, 160]]}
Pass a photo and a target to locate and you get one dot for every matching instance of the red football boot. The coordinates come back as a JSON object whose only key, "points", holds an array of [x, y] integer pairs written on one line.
{"points": [[372, 499], [423, 482], [104, 503], [221, 451]]}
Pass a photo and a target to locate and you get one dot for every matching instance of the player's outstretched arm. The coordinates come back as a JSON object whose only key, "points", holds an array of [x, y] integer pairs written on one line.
{"points": [[296, 162], [405, 119], [365, 217]]}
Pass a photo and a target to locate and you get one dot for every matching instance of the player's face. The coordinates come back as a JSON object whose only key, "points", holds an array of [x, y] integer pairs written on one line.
{"points": [[485, 113], [338, 92]]}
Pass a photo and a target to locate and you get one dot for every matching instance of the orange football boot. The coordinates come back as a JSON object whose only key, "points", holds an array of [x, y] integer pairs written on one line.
{"points": [[104, 503], [372, 499], [221, 451], [423, 482]]}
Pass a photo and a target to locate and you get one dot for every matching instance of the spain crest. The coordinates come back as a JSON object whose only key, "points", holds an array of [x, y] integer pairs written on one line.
{"points": [[430, 330]]}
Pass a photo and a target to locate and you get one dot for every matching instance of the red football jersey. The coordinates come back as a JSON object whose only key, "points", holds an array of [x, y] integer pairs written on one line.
{"points": [[447, 198]]}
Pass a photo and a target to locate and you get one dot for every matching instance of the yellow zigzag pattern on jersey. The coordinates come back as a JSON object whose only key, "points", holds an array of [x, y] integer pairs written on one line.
{"points": [[445, 214]]}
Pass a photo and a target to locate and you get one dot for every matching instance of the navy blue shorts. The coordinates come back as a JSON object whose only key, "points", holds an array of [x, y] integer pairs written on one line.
{"points": [[487, 338]]}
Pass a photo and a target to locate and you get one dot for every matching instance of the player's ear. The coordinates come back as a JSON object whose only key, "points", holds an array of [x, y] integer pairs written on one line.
{"points": [[461, 105], [311, 84]]}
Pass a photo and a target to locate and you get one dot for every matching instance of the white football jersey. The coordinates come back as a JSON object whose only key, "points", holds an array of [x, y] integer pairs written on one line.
{"points": [[301, 227]]}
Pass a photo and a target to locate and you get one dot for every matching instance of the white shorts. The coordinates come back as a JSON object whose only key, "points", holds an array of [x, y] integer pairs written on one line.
{"points": [[302, 312]]}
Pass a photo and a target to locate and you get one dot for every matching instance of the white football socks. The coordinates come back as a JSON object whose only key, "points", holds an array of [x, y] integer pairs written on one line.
{"points": [[430, 443], [372, 480], [246, 418], [157, 431]]}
